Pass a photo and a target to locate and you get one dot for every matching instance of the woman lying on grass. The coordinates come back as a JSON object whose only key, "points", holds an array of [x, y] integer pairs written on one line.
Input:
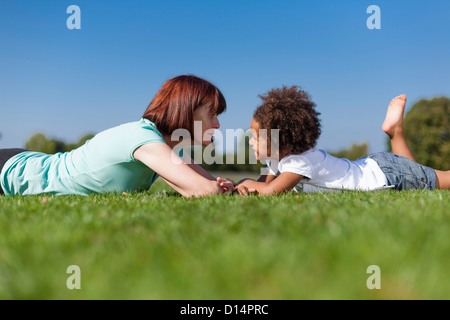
{"points": [[131, 156], [297, 165]]}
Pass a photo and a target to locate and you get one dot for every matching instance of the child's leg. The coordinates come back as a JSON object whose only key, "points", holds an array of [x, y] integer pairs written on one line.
{"points": [[393, 126], [442, 179]]}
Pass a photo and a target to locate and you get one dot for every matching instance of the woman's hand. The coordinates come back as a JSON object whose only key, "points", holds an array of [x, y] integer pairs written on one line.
{"points": [[227, 185]]}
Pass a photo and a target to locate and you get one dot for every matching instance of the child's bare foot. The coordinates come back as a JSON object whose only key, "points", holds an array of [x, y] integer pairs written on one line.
{"points": [[394, 117]]}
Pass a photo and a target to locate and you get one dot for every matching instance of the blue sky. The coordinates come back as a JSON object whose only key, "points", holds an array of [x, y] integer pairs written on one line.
{"points": [[67, 83]]}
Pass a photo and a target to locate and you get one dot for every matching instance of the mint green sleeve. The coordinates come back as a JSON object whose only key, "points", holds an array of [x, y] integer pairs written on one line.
{"points": [[145, 133]]}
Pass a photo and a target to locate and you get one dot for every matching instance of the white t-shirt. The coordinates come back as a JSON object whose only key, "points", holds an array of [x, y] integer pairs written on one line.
{"points": [[323, 172]]}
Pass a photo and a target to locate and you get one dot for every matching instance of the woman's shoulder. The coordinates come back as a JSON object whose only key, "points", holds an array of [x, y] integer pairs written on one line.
{"points": [[142, 127], [120, 141]]}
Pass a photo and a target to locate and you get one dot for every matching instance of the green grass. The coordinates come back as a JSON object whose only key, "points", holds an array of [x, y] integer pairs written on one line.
{"points": [[158, 245]]}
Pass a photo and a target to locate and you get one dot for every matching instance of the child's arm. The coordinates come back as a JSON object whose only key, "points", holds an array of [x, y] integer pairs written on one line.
{"points": [[243, 190], [284, 182], [266, 178]]}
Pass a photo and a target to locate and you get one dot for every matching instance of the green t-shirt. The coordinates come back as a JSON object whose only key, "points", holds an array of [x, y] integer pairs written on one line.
{"points": [[103, 164]]}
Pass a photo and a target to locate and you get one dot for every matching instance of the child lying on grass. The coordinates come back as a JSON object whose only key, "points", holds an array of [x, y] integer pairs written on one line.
{"points": [[297, 165]]}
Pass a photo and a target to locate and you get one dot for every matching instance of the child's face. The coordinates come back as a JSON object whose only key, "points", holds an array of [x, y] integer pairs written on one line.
{"points": [[258, 142]]}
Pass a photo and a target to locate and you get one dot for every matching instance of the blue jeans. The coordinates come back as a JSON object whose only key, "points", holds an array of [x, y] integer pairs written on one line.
{"points": [[404, 173], [5, 155]]}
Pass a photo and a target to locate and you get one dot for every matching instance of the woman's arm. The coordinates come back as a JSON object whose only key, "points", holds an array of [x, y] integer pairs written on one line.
{"points": [[272, 185], [227, 184], [160, 158], [188, 160]]}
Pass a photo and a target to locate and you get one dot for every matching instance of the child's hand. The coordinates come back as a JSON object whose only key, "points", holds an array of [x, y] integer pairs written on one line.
{"points": [[244, 191], [226, 184]]}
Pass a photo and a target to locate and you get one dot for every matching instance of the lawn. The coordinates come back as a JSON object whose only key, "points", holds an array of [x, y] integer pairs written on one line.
{"points": [[158, 245]]}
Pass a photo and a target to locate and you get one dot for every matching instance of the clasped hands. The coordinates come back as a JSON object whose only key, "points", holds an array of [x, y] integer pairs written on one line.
{"points": [[230, 187]]}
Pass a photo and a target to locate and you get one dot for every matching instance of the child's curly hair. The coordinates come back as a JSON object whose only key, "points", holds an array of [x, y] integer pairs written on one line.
{"points": [[291, 111]]}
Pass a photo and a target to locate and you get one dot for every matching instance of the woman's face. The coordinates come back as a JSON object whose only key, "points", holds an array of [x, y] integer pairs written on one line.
{"points": [[205, 122]]}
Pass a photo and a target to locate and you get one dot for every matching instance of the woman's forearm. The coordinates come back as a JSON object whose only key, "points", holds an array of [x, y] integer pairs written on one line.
{"points": [[188, 160], [201, 171]]}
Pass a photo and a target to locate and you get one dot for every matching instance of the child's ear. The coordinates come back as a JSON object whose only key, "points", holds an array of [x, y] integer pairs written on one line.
{"points": [[282, 153], [277, 155]]}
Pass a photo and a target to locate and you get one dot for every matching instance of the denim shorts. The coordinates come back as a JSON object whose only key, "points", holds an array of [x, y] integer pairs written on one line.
{"points": [[404, 173]]}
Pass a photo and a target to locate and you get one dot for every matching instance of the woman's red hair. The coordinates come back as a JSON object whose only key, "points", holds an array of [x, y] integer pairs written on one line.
{"points": [[174, 104]]}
